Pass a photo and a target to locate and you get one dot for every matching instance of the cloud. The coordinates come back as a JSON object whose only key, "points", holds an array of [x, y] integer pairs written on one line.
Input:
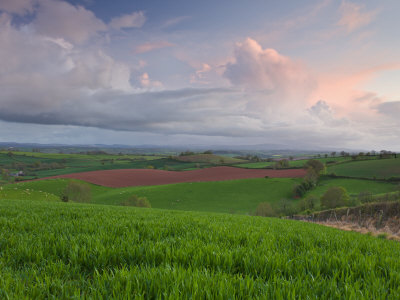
{"points": [[354, 16], [199, 75], [133, 20], [390, 109], [147, 47], [323, 113], [59, 19], [147, 83], [174, 21], [19, 7], [258, 68]]}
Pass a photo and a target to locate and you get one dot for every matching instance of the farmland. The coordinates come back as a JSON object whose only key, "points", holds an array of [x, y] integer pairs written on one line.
{"points": [[233, 196], [379, 168], [39, 165], [64, 250]]}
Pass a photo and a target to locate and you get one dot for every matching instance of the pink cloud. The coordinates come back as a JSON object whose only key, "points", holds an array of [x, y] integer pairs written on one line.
{"points": [[147, 83], [258, 68], [345, 95], [147, 47], [354, 16]]}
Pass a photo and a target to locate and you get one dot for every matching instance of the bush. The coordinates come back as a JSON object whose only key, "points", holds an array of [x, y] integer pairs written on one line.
{"points": [[264, 209], [308, 204], [77, 192], [134, 200], [335, 197]]}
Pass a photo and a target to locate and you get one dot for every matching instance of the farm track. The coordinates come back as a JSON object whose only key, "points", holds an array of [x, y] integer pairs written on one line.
{"points": [[143, 177]]}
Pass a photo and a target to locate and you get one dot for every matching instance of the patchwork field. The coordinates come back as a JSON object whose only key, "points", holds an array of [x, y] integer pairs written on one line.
{"points": [[137, 177]]}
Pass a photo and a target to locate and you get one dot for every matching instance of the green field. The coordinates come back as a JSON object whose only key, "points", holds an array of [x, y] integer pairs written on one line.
{"points": [[379, 168], [64, 250], [232, 196], [353, 186], [39, 165], [292, 163]]}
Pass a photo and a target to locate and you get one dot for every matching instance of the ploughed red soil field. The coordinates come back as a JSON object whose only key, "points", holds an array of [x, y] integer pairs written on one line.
{"points": [[140, 177]]}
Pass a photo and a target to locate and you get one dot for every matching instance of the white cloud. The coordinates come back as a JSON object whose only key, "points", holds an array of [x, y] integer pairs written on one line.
{"points": [[59, 19], [257, 68], [133, 20], [19, 7]]}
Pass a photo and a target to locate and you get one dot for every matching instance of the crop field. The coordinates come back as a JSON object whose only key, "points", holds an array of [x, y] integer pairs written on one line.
{"points": [[138, 177], [379, 168], [64, 250]]}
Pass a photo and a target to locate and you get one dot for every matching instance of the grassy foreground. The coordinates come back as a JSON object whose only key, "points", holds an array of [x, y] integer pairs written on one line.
{"points": [[65, 250]]}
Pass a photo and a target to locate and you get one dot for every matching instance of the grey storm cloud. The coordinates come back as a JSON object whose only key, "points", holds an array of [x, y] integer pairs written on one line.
{"points": [[391, 109], [50, 79]]}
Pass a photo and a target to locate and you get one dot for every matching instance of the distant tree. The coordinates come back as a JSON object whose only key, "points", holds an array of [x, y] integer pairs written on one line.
{"points": [[77, 192], [134, 200], [308, 203], [333, 154], [316, 165], [208, 152], [264, 209], [283, 163], [335, 197]]}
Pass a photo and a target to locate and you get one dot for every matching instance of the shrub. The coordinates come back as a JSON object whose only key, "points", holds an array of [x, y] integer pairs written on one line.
{"points": [[264, 209], [77, 192], [134, 200], [335, 197], [316, 165], [308, 203]]}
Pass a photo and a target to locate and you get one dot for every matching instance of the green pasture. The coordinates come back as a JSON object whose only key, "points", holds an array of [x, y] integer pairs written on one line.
{"points": [[232, 196], [292, 163], [379, 168], [55, 250], [353, 186]]}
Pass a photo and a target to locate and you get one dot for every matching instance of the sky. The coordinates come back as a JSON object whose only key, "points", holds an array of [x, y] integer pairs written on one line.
{"points": [[295, 74]]}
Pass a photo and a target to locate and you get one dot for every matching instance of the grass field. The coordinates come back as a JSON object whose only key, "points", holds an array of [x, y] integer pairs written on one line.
{"points": [[64, 250], [233, 196], [379, 168], [353, 186], [292, 163]]}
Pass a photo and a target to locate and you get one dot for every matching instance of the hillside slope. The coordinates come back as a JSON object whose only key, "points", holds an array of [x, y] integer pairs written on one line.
{"points": [[64, 250]]}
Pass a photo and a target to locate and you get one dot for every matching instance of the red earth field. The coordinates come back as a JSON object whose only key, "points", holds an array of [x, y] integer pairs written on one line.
{"points": [[140, 177]]}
